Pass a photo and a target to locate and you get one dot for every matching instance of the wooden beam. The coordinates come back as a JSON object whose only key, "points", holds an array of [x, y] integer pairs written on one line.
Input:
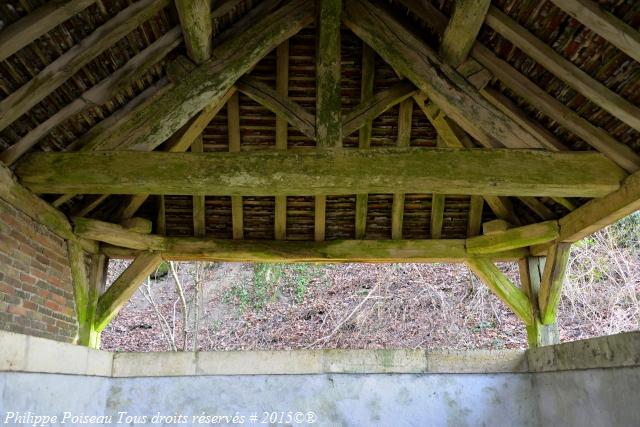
{"points": [[313, 172], [69, 63], [117, 295], [320, 217], [37, 23], [79, 279], [279, 104], [474, 223], [552, 278], [277, 251], [199, 210], [599, 213], [208, 83], [364, 134], [617, 32], [531, 269], [137, 224], [514, 238], [502, 208], [462, 30], [98, 94], [437, 215], [564, 69], [233, 125], [97, 281], [404, 140], [368, 110], [502, 287], [421, 65], [539, 208], [185, 140], [161, 220], [541, 100], [328, 96], [195, 19], [282, 134]]}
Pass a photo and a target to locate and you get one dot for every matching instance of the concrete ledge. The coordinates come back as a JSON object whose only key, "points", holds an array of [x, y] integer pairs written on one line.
{"points": [[613, 351], [22, 353]]}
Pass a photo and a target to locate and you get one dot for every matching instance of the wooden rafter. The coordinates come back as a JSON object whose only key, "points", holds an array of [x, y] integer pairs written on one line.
{"points": [[38, 23], [368, 110], [208, 83], [98, 94], [195, 19], [421, 65], [316, 172], [616, 31], [462, 30], [544, 55], [56, 73], [280, 104]]}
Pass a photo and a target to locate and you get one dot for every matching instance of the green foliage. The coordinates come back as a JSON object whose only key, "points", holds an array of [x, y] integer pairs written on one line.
{"points": [[161, 271], [270, 282], [626, 232]]}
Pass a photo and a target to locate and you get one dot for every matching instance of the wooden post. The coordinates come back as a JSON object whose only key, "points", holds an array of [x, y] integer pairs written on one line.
{"points": [[282, 134], [199, 214], [538, 335]]}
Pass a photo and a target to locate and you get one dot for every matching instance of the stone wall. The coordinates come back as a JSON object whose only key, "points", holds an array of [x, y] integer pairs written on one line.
{"points": [[36, 292]]}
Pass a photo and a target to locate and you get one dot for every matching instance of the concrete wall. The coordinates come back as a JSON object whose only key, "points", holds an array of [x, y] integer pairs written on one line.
{"points": [[588, 383], [36, 293]]}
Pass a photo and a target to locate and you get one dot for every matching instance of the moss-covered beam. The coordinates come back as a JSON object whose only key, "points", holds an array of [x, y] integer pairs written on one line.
{"points": [[328, 96], [208, 83], [69, 63], [502, 287], [552, 279], [316, 172], [417, 62], [462, 30], [519, 237], [195, 19], [531, 270], [117, 295]]}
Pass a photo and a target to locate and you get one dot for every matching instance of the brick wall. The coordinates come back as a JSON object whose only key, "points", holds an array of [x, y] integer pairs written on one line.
{"points": [[36, 292]]}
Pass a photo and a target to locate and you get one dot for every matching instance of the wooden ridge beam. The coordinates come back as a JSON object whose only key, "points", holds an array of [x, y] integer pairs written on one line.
{"points": [[208, 83], [328, 59], [65, 66], [412, 58], [195, 20], [279, 104], [502, 287], [599, 213], [462, 30], [610, 28], [368, 110], [37, 23], [117, 295], [552, 279], [98, 94], [317, 172], [513, 238], [564, 69]]}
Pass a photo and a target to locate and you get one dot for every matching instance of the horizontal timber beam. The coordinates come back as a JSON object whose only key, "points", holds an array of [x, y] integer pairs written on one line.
{"points": [[313, 172], [514, 238], [122, 243]]}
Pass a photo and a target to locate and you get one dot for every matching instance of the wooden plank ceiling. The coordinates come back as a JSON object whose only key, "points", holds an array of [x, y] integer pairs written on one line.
{"points": [[114, 75]]}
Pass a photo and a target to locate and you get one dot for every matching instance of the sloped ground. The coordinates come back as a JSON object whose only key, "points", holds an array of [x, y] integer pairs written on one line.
{"points": [[247, 307]]}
